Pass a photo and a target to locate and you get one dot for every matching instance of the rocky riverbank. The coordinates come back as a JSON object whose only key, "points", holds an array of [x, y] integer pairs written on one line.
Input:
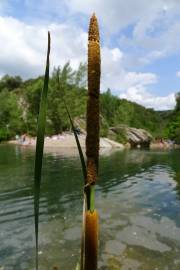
{"points": [[65, 140], [136, 138]]}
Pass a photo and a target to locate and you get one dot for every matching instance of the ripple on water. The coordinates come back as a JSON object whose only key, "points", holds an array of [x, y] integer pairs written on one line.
{"points": [[137, 200]]}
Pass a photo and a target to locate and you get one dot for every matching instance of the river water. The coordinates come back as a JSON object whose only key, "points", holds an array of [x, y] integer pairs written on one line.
{"points": [[137, 197]]}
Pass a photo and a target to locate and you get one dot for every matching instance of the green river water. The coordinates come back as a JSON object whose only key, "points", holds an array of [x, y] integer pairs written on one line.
{"points": [[137, 196]]}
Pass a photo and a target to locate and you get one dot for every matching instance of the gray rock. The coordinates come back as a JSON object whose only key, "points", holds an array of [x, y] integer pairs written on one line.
{"points": [[114, 247], [134, 235], [136, 137]]}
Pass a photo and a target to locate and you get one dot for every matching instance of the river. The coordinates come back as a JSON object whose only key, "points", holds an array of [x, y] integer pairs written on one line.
{"points": [[137, 197]]}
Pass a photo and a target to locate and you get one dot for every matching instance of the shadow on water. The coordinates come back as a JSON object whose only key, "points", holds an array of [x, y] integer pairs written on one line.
{"points": [[138, 198]]}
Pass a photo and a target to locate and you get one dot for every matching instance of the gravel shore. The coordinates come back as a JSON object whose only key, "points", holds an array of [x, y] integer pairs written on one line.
{"points": [[66, 141]]}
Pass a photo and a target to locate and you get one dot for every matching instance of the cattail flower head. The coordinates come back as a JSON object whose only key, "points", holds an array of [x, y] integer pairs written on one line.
{"points": [[94, 70], [93, 29]]}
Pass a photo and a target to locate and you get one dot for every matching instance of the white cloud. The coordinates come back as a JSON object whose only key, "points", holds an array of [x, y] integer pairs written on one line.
{"points": [[133, 78], [160, 46], [139, 94], [23, 52], [155, 25], [178, 73], [115, 76], [23, 47], [112, 70], [131, 85], [135, 87], [116, 14]]}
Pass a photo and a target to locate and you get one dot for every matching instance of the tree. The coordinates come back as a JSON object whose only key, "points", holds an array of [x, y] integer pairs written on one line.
{"points": [[11, 121], [81, 76], [68, 89], [10, 83], [66, 74], [173, 128], [177, 108], [32, 95]]}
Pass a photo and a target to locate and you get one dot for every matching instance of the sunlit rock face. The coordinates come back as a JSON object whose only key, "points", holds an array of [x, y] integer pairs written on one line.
{"points": [[135, 136]]}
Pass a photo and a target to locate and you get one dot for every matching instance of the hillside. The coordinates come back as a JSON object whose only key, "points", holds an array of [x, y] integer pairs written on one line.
{"points": [[19, 103]]}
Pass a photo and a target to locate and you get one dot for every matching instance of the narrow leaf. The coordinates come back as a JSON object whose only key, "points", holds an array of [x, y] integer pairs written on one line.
{"points": [[39, 147], [83, 163]]}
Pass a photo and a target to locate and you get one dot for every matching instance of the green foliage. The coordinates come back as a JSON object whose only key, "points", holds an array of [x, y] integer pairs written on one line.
{"points": [[104, 130], [121, 138], [4, 134], [71, 83], [120, 111], [11, 122], [32, 95], [81, 76], [75, 98], [174, 130], [21, 107], [178, 101], [173, 127], [10, 83]]}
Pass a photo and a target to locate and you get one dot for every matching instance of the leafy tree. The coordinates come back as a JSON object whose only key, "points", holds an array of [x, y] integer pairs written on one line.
{"points": [[81, 76], [120, 111], [11, 121], [177, 108], [32, 95], [173, 128], [10, 83], [19, 106], [71, 93]]}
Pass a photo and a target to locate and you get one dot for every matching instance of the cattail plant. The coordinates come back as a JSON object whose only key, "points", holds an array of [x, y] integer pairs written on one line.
{"points": [[92, 146], [89, 246]]}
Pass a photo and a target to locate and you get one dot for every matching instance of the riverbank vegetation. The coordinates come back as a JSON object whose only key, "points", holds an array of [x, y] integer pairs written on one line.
{"points": [[19, 103]]}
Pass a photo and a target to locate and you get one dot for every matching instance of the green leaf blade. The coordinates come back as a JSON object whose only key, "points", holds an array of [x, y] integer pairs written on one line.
{"points": [[83, 163], [40, 147]]}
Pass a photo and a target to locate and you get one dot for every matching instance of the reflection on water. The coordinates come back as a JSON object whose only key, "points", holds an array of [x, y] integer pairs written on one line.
{"points": [[138, 198]]}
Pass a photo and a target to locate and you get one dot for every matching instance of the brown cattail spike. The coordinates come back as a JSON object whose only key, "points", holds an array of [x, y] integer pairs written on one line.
{"points": [[93, 29], [91, 240], [94, 64]]}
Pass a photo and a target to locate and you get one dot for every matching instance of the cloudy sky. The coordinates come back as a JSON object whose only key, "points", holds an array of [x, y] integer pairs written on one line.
{"points": [[140, 43]]}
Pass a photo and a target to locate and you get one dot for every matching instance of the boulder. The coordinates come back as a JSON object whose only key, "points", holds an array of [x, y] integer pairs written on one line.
{"points": [[135, 136]]}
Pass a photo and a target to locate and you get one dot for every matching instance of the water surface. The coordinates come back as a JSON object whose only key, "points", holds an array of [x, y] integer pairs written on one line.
{"points": [[137, 196]]}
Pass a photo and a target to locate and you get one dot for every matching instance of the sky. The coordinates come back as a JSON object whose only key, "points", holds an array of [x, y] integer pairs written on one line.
{"points": [[140, 43]]}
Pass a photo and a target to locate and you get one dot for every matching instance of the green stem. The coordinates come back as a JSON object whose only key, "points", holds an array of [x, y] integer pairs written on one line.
{"points": [[92, 201]]}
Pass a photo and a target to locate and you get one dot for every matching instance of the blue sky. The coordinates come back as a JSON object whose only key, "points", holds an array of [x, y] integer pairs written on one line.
{"points": [[140, 43]]}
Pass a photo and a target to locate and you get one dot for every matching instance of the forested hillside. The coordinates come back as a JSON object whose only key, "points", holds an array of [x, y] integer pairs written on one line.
{"points": [[172, 129], [19, 104]]}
